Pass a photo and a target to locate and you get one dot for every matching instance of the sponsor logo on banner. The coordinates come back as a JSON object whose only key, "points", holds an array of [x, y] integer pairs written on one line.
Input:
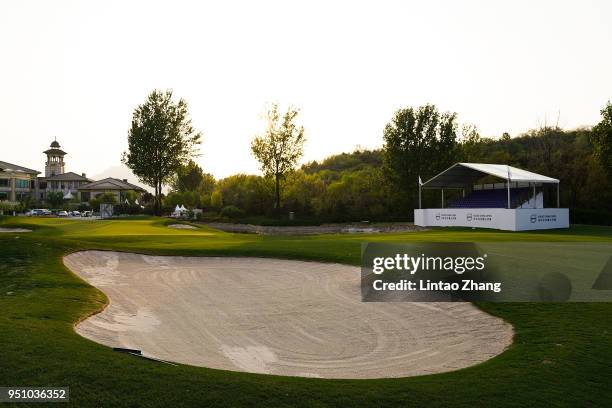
{"points": [[543, 218], [469, 217], [480, 217]]}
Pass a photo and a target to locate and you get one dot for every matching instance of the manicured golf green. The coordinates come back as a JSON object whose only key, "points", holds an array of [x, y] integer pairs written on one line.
{"points": [[561, 354]]}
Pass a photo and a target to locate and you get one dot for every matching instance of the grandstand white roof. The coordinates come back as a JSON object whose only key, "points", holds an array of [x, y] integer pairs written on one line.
{"points": [[461, 174]]}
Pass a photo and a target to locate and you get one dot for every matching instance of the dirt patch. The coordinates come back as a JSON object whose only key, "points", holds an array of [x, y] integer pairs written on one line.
{"points": [[277, 317]]}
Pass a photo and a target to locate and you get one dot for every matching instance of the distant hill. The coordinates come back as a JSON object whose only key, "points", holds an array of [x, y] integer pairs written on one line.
{"points": [[356, 160]]}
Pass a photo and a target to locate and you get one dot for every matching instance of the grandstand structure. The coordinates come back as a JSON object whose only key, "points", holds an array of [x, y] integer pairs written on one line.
{"points": [[492, 196]]}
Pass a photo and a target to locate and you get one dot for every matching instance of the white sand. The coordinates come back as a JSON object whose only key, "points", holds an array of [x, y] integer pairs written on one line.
{"points": [[15, 230], [182, 226], [277, 317]]}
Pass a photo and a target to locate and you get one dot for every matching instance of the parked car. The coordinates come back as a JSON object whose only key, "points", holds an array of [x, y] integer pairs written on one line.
{"points": [[38, 211], [62, 214], [75, 213], [86, 214]]}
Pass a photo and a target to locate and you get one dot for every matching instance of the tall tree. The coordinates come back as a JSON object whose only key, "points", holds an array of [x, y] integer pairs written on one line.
{"points": [[280, 147], [471, 144], [188, 177], [160, 141], [601, 137], [418, 142]]}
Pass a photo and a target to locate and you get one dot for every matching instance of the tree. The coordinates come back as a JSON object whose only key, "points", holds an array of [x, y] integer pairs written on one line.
{"points": [[102, 198], [188, 177], [280, 147], [160, 141], [601, 137], [107, 198], [216, 200], [207, 185], [253, 194], [190, 199], [471, 144], [131, 196], [55, 198], [418, 142], [146, 198]]}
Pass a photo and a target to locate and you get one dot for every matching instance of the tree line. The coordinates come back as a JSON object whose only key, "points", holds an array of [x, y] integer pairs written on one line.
{"points": [[365, 184]]}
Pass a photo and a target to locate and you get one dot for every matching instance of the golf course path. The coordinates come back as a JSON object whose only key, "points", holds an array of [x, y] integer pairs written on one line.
{"points": [[277, 317]]}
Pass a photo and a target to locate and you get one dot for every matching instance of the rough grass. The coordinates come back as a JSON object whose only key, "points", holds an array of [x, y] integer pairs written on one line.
{"points": [[560, 356]]}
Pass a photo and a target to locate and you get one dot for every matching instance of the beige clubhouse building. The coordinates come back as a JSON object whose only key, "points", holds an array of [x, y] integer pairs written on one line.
{"points": [[18, 183]]}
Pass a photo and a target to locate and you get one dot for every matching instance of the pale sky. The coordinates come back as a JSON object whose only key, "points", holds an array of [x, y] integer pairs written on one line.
{"points": [[76, 70]]}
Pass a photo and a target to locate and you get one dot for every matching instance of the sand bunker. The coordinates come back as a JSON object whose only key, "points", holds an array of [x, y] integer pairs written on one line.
{"points": [[277, 317], [182, 226], [15, 230]]}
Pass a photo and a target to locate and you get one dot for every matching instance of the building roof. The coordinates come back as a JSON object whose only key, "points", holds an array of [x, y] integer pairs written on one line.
{"points": [[461, 174], [69, 176], [111, 183], [55, 151], [4, 166], [55, 144]]}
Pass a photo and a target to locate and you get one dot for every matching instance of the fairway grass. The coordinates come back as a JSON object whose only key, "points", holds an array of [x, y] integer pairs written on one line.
{"points": [[560, 355]]}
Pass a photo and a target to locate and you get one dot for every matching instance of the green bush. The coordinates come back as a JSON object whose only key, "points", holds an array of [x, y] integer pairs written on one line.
{"points": [[127, 209], [591, 217], [231, 211], [7, 208]]}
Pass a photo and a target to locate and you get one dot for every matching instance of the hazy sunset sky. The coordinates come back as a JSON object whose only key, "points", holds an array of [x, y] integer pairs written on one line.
{"points": [[76, 70]]}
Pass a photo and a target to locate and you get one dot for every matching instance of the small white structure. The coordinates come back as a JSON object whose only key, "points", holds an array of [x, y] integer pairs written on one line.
{"points": [[106, 210], [179, 211], [516, 204]]}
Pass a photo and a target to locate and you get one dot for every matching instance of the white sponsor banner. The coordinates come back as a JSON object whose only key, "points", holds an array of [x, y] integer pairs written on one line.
{"points": [[541, 218], [519, 219]]}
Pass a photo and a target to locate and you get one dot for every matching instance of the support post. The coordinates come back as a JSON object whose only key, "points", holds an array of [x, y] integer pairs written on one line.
{"points": [[508, 184], [535, 205], [442, 198], [557, 195], [420, 196], [508, 181]]}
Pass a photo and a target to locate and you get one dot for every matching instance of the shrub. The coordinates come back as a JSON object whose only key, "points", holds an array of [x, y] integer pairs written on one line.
{"points": [[127, 209], [231, 211], [591, 217]]}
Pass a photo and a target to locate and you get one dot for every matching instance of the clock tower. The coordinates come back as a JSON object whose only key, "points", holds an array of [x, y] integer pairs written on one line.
{"points": [[55, 160]]}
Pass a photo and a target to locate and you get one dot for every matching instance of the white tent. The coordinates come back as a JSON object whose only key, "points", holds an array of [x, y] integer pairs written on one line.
{"points": [[489, 202], [179, 211], [461, 175], [68, 196]]}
